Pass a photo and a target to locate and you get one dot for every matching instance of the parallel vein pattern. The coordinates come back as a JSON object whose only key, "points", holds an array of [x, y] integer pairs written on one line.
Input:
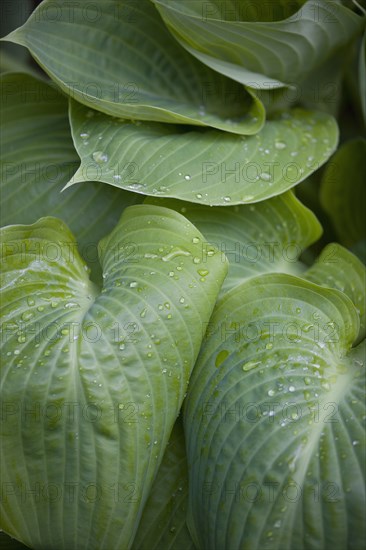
{"points": [[273, 420], [93, 382], [204, 166], [37, 160], [118, 57], [265, 53]]}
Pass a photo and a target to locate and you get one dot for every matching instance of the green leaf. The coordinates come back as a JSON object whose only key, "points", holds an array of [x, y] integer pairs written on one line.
{"points": [[206, 166], [258, 49], [38, 158], [92, 383], [273, 420], [343, 192], [266, 237], [163, 523], [338, 268], [119, 58]]}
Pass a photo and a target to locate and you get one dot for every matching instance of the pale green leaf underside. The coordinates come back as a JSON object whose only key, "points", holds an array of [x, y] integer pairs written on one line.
{"points": [[37, 160], [273, 420], [338, 268], [260, 54], [121, 359], [204, 166], [118, 57], [260, 238], [343, 191], [163, 523]]}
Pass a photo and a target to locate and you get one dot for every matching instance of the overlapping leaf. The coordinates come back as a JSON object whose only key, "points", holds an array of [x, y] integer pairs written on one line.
{"points": [[265, 237], [273, 420], [246, 41], [338, 268], [163, 523], [343, 192], [105, 372], [118, 57], [203, 166], [37, 160]]}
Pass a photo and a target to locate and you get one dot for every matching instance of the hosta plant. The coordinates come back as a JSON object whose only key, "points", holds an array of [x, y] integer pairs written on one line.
{"points": [[183, 312]]}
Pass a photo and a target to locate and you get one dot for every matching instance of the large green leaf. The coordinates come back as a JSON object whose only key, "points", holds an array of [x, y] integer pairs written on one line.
{"points": [[343, 192], [163, 523], [118, 57], [92, 382], [265, 237], [274, 421], [204, 166], [256, 48], [38, 158], [338, 268]]}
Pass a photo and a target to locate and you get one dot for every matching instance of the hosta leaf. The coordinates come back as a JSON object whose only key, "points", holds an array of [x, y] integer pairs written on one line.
{"points": [[203, 166], [118, 57], [266, 237], [102, 374], [343, 192], [338, 268], [38, 158], [273, 420], [258, 49], [163, 523]]}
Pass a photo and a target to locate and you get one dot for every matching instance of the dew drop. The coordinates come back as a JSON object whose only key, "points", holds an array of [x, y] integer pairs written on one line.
{"points": [[27, 315], [100, 157], [221, 356], [133, 284], [250, 365], [280, 145], [187, 177]]}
